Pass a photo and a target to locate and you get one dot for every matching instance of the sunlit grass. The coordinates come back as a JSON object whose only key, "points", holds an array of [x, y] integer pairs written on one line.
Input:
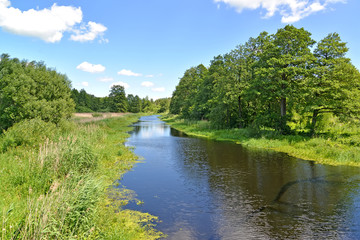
{"points": [[56, 182]]}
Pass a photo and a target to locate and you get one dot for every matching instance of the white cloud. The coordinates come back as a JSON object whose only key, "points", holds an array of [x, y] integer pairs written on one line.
{"points": [[48, 24], [125, 72], [159, 89], [124, 84], [106, 79], [290, 10], [89, 32], [92, 68], [85, 84], [149, 76], [147, 84]]}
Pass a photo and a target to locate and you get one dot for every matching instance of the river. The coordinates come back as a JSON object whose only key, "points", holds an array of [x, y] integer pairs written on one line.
{"points": [[203, 189]]}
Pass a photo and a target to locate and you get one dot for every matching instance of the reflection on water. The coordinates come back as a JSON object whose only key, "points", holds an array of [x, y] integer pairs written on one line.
{"points": [[204, 189]]}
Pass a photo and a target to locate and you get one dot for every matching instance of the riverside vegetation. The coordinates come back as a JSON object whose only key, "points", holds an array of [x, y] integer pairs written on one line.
{"points": [[56, 182], [276, 91], [282, 91], [336, 145], [57, 175]]}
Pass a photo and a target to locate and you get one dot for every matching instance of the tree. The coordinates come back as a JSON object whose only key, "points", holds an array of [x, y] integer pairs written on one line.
{"points": [[184, 97], [270, 81], [240, 68], [286, 66], [85, 102], [30, 90], [162, 104], [262, 108], [224, 102], [134, 103], [117, 97], [335, 84]]}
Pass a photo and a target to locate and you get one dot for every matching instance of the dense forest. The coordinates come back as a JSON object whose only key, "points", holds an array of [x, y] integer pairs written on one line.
{"points": [[282, 81], [117, 101]]}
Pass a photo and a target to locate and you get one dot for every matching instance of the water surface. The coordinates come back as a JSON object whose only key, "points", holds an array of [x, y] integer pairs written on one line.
{"points": [[203, 189]]}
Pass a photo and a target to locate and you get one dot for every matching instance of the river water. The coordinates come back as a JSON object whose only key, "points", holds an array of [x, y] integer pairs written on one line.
{"points": [[203, 189]]}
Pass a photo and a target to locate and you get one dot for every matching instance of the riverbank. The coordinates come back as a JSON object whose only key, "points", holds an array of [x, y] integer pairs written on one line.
{"points": [[57, 182], [338, 150]]}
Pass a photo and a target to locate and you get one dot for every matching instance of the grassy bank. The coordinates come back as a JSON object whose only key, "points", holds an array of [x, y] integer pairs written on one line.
{"points": [[56, 182], [334, 149]]}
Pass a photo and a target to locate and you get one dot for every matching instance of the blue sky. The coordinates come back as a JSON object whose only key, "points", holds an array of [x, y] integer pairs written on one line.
{"points": [[146, 45]]}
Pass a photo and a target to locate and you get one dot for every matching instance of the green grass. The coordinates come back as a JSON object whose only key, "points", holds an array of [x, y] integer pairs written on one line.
{"points": [[56, 182], [340, 147]]}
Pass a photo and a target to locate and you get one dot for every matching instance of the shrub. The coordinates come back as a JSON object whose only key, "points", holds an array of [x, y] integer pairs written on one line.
{"points": [[31, 90], [27, 132], [83, 109]]}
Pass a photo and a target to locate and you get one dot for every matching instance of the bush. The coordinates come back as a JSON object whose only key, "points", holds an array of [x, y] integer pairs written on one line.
{"points": [[30, 90], [27, 132], [83, 109]]}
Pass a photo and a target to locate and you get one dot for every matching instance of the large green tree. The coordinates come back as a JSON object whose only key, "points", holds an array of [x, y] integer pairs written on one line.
{"points": [[184, 97], [285, 69], [335, 84], [274, 81], [117, 98], [134, 103], [224, 111], [31, 90]]}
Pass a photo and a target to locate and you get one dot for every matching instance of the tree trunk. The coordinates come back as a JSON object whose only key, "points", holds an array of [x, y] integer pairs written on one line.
{"points": [[283, 115], [283, 106], [313, 121], [227, 117], [240, 112]]}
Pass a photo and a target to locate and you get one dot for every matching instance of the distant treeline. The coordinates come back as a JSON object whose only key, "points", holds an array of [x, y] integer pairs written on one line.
{"points": [[117, 101], [30, 90], [274, 80]]}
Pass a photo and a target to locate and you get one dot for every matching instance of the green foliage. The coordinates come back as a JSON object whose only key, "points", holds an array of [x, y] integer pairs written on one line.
{"points": [[27, 132], [335, 85], [162, 104], [83, 109], [273, 81], [284, 70], [30, 90], [134, 103], [184, 97], [85, 103], [117, 98]]}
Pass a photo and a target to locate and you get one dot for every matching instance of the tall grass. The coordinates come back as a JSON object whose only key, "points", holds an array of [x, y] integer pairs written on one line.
{"points": [[56, 181]]}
